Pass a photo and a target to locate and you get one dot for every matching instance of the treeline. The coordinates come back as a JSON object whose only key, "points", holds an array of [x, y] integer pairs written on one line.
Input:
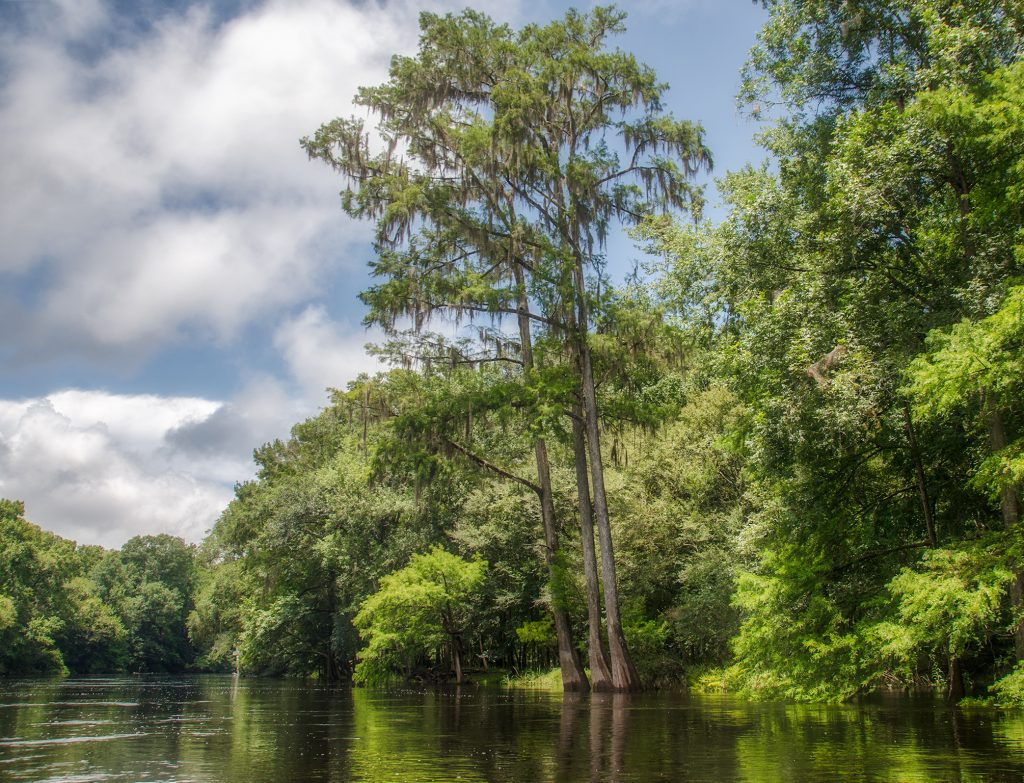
{"points": [[785, 459], [88, 610], [362, 551]]}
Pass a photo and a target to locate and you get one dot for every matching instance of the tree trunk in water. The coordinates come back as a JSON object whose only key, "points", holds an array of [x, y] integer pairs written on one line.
{"points": [[624, 675], [1010, 501], [600, 709], [333, 668], [574, 678], [600, 674], [956, 681], [457, 658]]}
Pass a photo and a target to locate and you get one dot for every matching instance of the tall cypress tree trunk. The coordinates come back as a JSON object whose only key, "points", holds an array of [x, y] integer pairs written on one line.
{"points": [[919, 476], [457, 657], [574, 678], [955, 677], [1010, 502], [624, 674], [600, 673]]}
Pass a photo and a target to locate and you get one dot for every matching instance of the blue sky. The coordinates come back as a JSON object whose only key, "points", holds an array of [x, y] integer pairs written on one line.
{"points": [[178, 282]]}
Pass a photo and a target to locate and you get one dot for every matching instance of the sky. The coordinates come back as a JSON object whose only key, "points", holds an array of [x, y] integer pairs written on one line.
{"points": [[178, 283]]}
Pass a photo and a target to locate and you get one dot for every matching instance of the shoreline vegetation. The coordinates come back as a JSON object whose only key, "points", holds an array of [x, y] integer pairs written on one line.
{"points": [[783, 459]]}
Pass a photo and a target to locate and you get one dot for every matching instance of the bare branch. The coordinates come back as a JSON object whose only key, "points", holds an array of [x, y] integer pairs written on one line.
{"points": [[476, 458]]}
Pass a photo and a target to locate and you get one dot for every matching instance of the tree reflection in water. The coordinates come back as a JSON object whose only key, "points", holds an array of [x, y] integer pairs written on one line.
{"points": [[207, 729]]}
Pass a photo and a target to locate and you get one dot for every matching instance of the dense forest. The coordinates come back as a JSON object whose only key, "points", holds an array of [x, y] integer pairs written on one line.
{"points": [[784, 457]]}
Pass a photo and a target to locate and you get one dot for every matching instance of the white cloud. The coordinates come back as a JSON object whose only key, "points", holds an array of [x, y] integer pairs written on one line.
{"points": [[215, 271], [157, 190], [99, 467], [220, 446], [136, 422], [89, 466], [161, 181], [322, 353]]}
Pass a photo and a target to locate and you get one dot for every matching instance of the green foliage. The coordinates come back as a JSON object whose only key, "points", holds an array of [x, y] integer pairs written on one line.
{"points": [[55, 616], [93, 639], [298, 550], [813, 298], [811, 415], [1009, 690], [679, 548], [971, 358], [648, 641], [795, 643], [350, 498], [149, 586], [498, 524], [549, 680], [838, 53], [35, 570], [427, 604], [540, 632], [215, 622], [521, 149], [953, 602], [8, 613], [714, 680], [977, 367]]}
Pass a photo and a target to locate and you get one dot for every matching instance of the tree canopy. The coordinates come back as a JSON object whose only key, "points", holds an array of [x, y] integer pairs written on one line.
{"points": [[427, 604]]}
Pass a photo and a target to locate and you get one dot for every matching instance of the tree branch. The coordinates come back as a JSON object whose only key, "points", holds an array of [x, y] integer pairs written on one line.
{"points": [[836, 570], [476, 458], [552, 322]]}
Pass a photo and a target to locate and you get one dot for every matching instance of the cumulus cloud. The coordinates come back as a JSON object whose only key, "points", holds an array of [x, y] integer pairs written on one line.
{"points": [[99, 467], [89, 466], [322, 353], [211, 270], [156, 192], [158, 183], [220, 445]]}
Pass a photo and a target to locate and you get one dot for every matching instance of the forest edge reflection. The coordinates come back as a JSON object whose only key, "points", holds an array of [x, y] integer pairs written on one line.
{"points": [[218, 728]]}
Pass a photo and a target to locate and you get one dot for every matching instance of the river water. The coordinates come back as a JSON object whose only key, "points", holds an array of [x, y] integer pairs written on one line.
{"points": [[211, 728]]}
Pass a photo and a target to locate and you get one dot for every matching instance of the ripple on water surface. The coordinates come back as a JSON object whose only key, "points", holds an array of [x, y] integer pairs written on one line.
{"points": [[222, 729]]}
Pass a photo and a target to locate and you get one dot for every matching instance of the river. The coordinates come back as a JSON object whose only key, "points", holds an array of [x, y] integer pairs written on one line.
{"points": [[219, 729]]}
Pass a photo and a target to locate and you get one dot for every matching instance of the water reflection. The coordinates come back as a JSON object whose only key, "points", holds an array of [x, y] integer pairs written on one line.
{"points": [[226, 729]]}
